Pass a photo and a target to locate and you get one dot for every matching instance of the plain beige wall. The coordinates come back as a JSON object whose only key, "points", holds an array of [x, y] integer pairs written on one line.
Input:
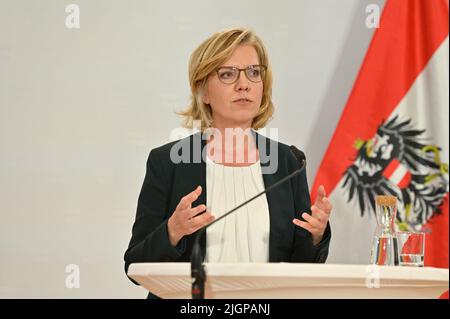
{"points": [[80, 110]]}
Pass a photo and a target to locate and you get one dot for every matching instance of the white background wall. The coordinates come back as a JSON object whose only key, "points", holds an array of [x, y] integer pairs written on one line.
{"points": [[80, 110]]}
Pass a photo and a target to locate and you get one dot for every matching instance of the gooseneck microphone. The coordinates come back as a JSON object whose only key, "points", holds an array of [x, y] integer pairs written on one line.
{"points": [[198, 274]]}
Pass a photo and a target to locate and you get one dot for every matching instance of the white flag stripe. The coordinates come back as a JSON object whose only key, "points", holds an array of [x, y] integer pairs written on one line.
{"points": [[398, 174], [427, 102]]}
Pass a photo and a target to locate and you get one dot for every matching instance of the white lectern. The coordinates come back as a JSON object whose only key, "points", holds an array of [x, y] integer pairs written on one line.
{"points": [[286, 280]]}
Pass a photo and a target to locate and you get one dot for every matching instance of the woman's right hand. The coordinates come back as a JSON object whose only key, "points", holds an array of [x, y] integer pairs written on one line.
{"points": [[184, 220]]}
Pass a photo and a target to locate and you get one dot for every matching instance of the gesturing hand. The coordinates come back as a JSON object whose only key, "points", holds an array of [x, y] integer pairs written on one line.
{"points": [[184, 220], [316, 223]]}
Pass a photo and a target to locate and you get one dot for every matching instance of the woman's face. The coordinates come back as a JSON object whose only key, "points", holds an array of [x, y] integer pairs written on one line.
{"points": [[236, 104]]}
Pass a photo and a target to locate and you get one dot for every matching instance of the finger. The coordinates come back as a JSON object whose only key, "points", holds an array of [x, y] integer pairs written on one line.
{"points": [[320, 194], [187, 200], [201, 220], [319, 214], [321, 191], [324, 205], [196, 210], [311, 220], [327, 206], [303, 224]]}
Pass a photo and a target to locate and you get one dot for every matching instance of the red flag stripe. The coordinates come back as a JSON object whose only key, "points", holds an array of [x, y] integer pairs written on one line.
{"points": [[390, 169], [400, 44], [405, 181]]}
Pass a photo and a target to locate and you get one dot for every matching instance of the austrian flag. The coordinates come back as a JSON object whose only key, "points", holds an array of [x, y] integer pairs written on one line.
{"points": [[393, 135]]}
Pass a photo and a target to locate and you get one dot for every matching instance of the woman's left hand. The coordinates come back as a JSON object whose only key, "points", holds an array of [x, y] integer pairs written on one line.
{"points": [[316, 223]]}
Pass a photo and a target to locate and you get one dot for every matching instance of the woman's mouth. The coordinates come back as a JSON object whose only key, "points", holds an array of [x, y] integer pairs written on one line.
{"points": [[242, 101]]}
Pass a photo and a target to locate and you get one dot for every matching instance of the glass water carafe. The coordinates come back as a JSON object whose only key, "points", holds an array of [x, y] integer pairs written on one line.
{"points": [[384, 249]]}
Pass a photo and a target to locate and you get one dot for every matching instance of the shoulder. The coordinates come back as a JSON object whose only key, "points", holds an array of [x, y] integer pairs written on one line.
{"points": [[282, 151]]}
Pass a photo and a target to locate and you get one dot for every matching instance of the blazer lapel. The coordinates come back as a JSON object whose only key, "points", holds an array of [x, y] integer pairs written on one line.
{"points": [[197, 176], [275, 197]]}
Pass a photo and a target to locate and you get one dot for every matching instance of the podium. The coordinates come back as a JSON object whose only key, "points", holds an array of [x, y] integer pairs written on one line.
{"points": [[293, 280]]}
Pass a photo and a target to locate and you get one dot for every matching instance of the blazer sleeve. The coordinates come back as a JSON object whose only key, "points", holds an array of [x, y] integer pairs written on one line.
{"points": [[303, 248], [150, 240]]}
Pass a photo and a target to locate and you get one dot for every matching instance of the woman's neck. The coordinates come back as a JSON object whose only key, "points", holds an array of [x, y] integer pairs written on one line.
{"points": [[232, 146]]}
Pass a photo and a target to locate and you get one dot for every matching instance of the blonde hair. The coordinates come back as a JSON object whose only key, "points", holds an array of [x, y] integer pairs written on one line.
{"points": [[210, 55]]}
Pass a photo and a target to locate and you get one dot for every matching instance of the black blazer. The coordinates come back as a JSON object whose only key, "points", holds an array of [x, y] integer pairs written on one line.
{"points": [[166, 183]]}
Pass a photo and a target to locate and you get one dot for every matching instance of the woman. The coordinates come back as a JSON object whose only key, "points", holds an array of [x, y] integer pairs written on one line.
{"points": [[231, 82]]}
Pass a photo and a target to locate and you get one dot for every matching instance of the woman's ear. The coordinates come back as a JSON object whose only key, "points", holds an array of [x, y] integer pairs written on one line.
{"points": [[205, 96]]}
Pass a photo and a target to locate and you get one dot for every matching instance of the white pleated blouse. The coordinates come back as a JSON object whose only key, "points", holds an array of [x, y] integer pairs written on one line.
{"points": [[242, 236]]}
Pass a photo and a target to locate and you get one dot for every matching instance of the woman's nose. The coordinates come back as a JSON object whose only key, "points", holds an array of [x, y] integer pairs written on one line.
{"points": [[242, 83]]}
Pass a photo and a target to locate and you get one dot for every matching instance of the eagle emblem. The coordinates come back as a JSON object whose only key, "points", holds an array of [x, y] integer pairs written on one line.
{"points": [[398, 161]]}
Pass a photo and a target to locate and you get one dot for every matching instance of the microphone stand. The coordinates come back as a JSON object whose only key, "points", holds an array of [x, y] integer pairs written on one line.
{"points": [[198, 274]]}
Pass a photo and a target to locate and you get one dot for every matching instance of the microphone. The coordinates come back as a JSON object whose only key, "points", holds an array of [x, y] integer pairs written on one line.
{"points": [[198, 274]]}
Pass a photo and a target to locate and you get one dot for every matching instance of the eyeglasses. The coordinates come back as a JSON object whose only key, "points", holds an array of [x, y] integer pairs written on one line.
{"points": [[231, 74]]}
